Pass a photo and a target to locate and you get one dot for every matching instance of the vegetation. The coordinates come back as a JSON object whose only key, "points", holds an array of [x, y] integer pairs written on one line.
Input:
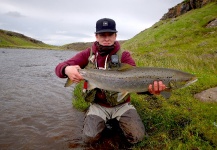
{"points": [[184, 43], [77, 46], [10, 39]]}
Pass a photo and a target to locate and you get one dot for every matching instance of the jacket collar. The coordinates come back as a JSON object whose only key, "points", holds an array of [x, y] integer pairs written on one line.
{"points": [[95, 48]]}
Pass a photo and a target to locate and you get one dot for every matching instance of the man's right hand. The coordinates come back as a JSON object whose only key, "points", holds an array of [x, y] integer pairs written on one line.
{"points": [[157, 87], [73, 74]]}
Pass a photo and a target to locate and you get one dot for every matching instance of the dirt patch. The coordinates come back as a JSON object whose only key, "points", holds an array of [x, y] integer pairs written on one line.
{"points": [[209, 95]]}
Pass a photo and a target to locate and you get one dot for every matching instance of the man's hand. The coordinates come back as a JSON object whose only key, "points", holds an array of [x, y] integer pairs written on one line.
{"points": [[73, 74], [157, 87]]}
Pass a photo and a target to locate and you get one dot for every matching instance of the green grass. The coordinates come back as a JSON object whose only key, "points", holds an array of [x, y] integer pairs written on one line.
{"points": [[182, 122], [183, 43], [10, 39], [78, 100]]}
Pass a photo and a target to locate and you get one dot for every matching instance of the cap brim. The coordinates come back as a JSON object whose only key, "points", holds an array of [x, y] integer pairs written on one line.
{"points": [[103, 31]]}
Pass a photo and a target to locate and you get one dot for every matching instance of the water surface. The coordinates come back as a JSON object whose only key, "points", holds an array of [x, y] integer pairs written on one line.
{"points": [[35, 109]]}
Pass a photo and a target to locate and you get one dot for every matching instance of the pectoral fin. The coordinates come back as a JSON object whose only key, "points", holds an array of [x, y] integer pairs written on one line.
{"points": [[121, 96], [166, 94], [68, 83]]}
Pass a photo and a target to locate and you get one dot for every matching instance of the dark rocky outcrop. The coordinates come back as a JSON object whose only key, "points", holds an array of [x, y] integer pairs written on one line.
{"points": [[184, 7]]}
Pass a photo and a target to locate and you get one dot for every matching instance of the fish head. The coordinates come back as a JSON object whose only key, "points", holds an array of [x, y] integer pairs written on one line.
{"points": [[182, 80]]}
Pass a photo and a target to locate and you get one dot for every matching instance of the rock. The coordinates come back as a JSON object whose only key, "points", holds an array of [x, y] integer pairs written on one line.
{"points": [[212, 23], [204, 2], [184, 7], [196, 3], [209, 95]]}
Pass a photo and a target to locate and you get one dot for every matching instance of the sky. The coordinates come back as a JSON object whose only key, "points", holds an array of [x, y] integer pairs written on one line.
{"points": [[59, 22]]}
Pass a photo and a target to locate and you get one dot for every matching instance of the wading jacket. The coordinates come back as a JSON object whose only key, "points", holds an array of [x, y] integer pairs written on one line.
{"points": [[82, 59]]}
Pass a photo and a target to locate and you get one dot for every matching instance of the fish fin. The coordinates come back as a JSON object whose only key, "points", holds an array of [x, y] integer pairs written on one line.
{"points": [[91, 86], [166, 94], [124, 66], [121, 95], [68, 83]]}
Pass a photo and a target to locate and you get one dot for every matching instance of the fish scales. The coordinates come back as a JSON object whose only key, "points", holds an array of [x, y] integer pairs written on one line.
{"points": [[132, 80], [135, 79]]}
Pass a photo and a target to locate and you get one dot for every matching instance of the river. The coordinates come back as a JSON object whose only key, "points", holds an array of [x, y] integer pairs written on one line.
{"points": [[36, 109]]}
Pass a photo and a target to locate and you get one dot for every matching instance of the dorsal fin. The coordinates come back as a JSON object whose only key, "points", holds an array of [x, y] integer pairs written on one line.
{"points": [[124, 67]]}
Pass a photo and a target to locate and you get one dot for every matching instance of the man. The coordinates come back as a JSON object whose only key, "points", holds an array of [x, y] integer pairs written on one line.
{"points": [[104, 105]]}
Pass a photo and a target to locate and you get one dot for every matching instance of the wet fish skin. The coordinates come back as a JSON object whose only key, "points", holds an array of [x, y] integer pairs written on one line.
{"points": [[136, 79]]}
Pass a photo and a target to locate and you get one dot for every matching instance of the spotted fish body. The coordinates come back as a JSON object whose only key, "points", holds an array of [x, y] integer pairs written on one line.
{"points": [[136, 79]]}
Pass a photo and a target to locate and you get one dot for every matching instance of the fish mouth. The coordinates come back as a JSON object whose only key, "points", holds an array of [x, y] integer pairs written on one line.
{"points": [[193, 80]]}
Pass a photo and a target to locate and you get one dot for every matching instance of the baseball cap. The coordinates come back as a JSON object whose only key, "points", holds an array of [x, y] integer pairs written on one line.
{"points": [[105, 25]]}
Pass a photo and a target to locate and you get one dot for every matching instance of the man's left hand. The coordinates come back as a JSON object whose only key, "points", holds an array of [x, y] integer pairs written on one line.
{"points": [[157, 87]]}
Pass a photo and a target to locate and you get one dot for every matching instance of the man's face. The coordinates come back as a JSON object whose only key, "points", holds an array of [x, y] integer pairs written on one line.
{"points": [[106, 38]]}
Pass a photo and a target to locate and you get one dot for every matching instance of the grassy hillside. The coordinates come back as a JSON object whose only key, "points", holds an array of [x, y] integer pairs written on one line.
{"points": [[183, 43], [77, 46], [16, 40]]}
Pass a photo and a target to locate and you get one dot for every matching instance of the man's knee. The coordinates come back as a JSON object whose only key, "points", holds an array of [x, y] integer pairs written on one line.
{"points": [[93, 127], [132, 126]]}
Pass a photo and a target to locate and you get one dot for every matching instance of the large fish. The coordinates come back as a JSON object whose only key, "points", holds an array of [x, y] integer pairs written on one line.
{"points": [[130, 79]]}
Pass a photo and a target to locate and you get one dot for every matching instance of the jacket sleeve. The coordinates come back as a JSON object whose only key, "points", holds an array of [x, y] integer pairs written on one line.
{"points": [[80, 59], [126, 58]]}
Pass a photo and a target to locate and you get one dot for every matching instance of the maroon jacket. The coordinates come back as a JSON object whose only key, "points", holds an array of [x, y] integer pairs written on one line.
{"points": [[81, 59]]}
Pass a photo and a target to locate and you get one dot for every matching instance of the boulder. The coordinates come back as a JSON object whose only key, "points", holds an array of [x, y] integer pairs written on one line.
{"points": [[212, 23], [209, 95]]}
